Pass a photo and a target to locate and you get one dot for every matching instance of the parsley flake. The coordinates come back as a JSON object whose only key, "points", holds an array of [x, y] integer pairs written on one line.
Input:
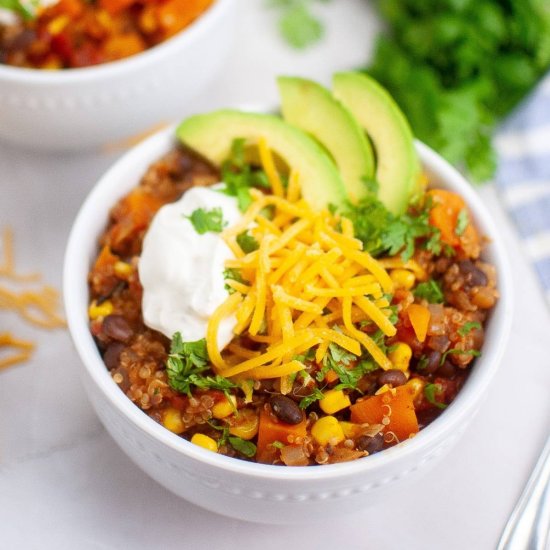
{"points": [[315, 395]]}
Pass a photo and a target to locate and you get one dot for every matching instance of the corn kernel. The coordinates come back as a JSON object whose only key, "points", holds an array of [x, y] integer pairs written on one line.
{"points": [[172, 421], [334, 401], [416, 387], [95, 311], [205, 442], [224, 408], [58, 24], [123, 270], [351, 430], [400, 356], [385, 388], [327, 430], [402, 278]]}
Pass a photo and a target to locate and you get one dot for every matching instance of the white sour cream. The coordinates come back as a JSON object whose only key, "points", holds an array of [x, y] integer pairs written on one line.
{"points": [[182, 272]]}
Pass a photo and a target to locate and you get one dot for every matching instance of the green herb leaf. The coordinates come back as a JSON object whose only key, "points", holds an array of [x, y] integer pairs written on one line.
{"points": [[315, 395], [277, 445], [207, 220], [247, 242], [17, 7], [383, 233], [431, 391], [456, 351], [298, 26], [239, 176], [185, 365], [467, 327], [430, 291], [462, 222], [247, 448], [234, 275]]}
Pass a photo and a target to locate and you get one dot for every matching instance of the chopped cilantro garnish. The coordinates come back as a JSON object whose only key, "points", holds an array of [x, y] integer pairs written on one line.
{"points": [[467, 327], [234, 275], [207, 220], [239, 176], [247, 242], [456, 351], [185, 365], [431, 391], [315, 395], [430, 291], [277, 445], [384, 233], [247, 448], [462, 222]]}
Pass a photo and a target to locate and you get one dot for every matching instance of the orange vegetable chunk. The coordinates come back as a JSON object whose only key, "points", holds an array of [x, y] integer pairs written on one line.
{"points": [[271, 430], [419, 316], [398, 408]]}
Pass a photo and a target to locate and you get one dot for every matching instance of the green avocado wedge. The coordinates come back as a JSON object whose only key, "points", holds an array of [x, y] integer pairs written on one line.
{"points": [[314, 110], [212, 135], [397, 165]]}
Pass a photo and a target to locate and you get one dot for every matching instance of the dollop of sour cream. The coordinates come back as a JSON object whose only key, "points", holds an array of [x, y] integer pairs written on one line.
{"points": [[181, 271]]}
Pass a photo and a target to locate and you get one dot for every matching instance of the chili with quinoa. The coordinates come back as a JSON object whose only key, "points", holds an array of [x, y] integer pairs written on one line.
{"points": [[340, 408], [80, 33]]}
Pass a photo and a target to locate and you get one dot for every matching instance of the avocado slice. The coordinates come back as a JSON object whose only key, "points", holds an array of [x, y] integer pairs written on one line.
{"points": [[212, 134], [397, 165], [314, 109]]}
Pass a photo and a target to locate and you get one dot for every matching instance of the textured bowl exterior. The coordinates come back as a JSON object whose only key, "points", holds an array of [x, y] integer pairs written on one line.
{"points": [[96, 106], [257, 492]]}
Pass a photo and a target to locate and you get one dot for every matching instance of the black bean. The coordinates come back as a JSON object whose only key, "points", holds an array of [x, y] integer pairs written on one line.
{"points": [[395, 377], [286, 410], [447, 370], [474, 275], [370, 444], [112, 354], [117, 328], [430, 363]]}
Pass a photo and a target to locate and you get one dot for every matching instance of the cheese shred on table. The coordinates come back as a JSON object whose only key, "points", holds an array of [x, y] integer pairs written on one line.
{"points": [[307, 285], [39, 307]]}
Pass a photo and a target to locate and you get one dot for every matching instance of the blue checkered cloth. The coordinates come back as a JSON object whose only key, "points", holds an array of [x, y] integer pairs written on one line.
{"points": [[523, 176]]}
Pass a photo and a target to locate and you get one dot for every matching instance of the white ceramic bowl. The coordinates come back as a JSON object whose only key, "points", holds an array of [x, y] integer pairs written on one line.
{"points": [[258, 492], [95, 106]]}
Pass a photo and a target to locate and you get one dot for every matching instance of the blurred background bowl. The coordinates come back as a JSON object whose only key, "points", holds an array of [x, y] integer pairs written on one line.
{"points": [[251, 491], [95, 106]]}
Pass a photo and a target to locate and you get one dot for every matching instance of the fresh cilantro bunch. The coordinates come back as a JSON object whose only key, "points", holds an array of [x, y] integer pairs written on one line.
{"points": [[186, 364], [456, 67], [384, 233], [298, 25]]}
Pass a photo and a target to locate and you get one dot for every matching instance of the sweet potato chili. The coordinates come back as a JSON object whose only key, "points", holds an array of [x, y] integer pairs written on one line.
{"points": [[81, 33], [372, 321]]}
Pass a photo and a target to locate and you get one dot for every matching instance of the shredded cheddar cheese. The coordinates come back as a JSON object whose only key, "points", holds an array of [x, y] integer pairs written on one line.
{"points": [[309, 284], [38, 307]]}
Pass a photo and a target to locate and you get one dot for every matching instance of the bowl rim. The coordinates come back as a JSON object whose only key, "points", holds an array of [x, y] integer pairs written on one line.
{"points": [[76, 268], [120, 67]]}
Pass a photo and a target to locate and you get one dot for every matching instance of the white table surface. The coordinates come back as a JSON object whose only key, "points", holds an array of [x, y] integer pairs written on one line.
{"points": [[65, 484]]}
